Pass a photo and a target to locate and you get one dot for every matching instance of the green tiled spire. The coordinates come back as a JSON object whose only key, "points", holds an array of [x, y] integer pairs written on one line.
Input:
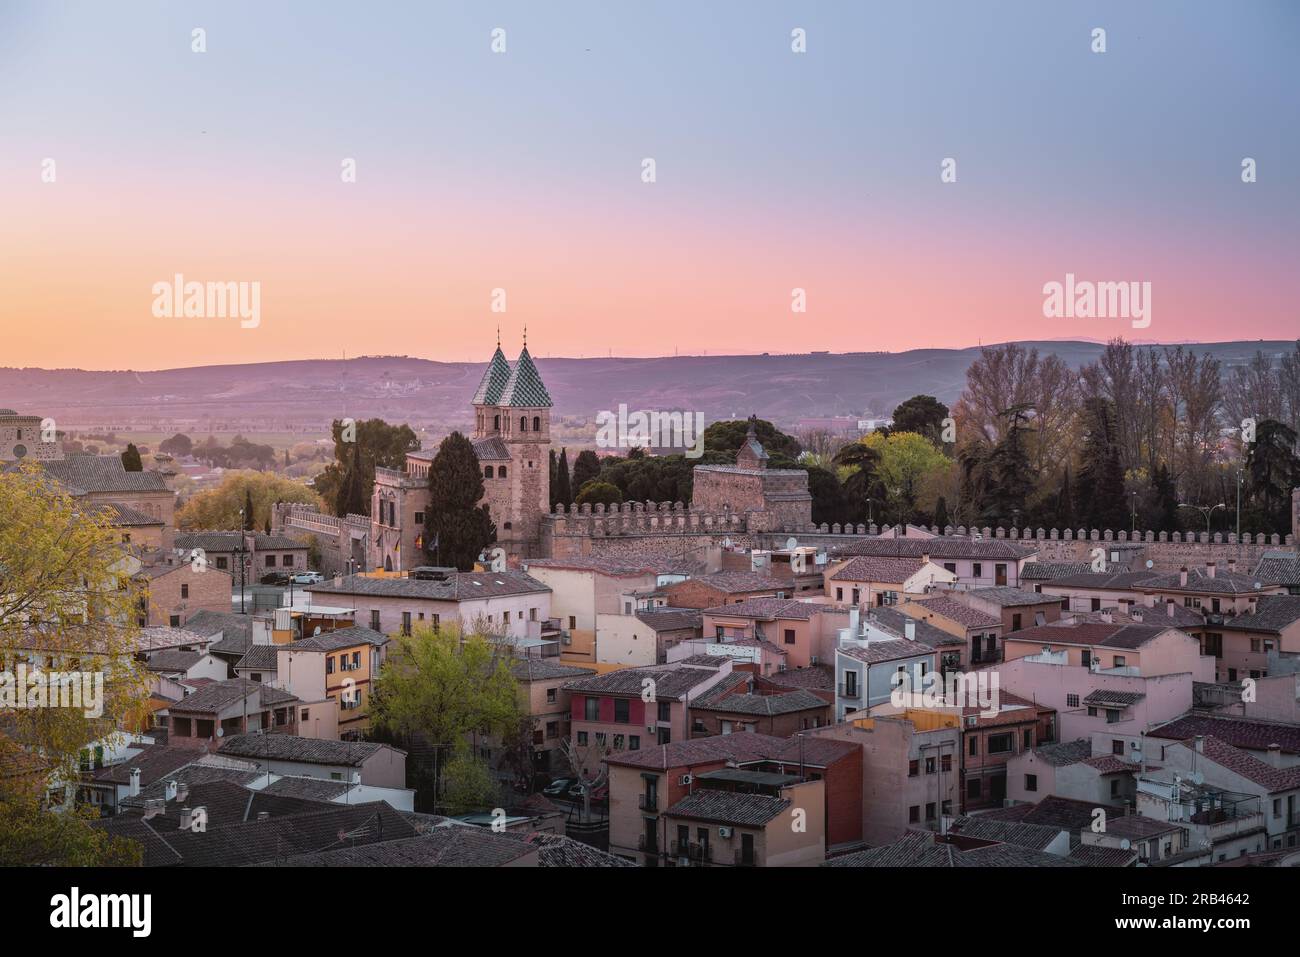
{"points": [[524, 387], [494, 380]]}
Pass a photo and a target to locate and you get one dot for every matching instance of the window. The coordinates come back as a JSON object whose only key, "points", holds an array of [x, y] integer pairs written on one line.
{"points": [[175, 621], [592, 709], [329, 664], [222, 562], [523, 423], [501, 473], [929, 811], [287, 560], [1028, 738], [406, 622], [950, 566], [270, 561], [185, 591], [419, 518], [1015, 622], [1114, 787], [634, 742], [1001, 743], [573, 622], [1117, 747], [552, 729], [537, 423], [550, 695], [974, 746], [788, 636], [913, 768], [1119, 661], [1031, 782], [839, 594], [622, 711], [973, 788], [1112, 715], [914, 814], [1072, 701], [945, 763], [487, 471], [374, 619], [930, 766], [665, 711], [582, 738], [977, 570]]}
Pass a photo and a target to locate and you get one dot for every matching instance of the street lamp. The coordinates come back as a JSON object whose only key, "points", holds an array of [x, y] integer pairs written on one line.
{"points": [[1206, 510], [1238, 506]]}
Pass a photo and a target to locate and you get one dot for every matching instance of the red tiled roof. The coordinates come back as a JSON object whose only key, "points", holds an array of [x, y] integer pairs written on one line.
{"points": [[874, 568]]}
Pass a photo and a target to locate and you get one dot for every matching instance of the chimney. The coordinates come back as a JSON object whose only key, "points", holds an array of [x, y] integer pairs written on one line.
{"points": [[186, 818], [182, 791], [1209, 569], [1136, 615], [1275, 755], [854, 618], [1200, 744], [925, 558], [1107, 617], [152, 808], [264, 815], [134, 789], [1182, 577], [1169, 608], [909, 630], [171, 791]]}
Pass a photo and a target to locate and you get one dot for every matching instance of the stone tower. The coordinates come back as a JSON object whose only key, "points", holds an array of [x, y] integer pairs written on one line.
{"points": [[512, 438]]}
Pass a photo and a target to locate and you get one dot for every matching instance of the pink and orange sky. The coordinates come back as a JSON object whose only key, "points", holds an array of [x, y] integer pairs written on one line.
{"points": [[521, 171]]}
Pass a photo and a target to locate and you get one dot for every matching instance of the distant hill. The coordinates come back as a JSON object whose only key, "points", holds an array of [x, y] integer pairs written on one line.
{"points": [[305, 395]]}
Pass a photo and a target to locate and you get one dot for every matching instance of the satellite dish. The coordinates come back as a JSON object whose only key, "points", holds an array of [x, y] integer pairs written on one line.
{"points": [[221, 732], [1150, 563], [1124, 844], [791, 543]]}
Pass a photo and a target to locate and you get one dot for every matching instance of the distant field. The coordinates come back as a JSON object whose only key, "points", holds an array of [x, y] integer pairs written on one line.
{"points": [[277, 440]]}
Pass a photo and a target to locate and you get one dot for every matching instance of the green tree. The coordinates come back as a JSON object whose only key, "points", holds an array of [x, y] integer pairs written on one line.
{"points": [[596, 492], [830, 504], [32, 836], [1164, 496], [456, 527], [353, 499], [922, 414], [585, 468], [1272, 470], [178, 445], [218, 508], [131, 459], [467, 784], [1008, 476], [904, 461], [858, 463], [361, 446], [941, 518], [562, 489], [1101, 492], [727, 437]]}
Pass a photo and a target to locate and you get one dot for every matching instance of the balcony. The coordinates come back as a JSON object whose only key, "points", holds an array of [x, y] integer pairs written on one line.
{"points": [[691, 850], [746, 858], [853, 692], [648, 802], [648, 843]]}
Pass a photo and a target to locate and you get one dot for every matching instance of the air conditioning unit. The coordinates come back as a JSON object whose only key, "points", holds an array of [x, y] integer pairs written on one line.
{"points": [[652, 728], [685, 779], [724, 832], [566, 639], [814, 659], [972, 721]]}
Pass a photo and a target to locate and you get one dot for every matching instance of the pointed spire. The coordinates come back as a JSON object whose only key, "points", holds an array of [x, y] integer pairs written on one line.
{"points": [[525, 387], [494, 379]]}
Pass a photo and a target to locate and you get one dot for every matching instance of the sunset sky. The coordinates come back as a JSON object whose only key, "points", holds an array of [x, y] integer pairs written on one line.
{"points": [[522, 171]]}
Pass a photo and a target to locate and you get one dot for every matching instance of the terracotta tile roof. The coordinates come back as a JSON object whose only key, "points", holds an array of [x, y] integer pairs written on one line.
{"points": [[816, 677], [1105, 581], [219, 695], [1198, 582], [288, 747], [261, 658], [872, 568], [1094, 855], [956, 611], [348, 637], [229, 541], [613, 567], [762, 705], [1064, 753], [1007, 597], [1093, 634], [729, 807], [557, 851], [1249, 767], [895, 622], [921, 850], [939, 547], [1138, 828], [768, 609], [1020, 833], [491, 449], [1046, 571], [1110, 764], [1239, 732], [737, 583], [155, 762], [544, 669], [744, 747], [1272, 614], [173, 660], [890, 649], [671, 682], [1113, 699], [82, 474], [1278, 571], [123, 516], [671, 619]]}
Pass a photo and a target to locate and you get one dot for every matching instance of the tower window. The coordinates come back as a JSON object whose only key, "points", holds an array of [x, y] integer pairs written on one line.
{"points": [[537, 423], [496, 423], [523, 423], [487, 471], [501, 471]]}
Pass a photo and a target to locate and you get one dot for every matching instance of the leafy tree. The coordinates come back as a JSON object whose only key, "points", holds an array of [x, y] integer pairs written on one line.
{"points": [[941, 514], [858, 464], [445, 687], [467, 784], [376, 443], [1101, 490], [353, 499], [596, 492], [727, 437], [922, 414], [561, 488], [66, 589], [178, 445], [904, 461], [830, 503], [218, 508], [1165, 500], [585, 468], [456, 527], [1009, 477], [32, 836], [131, 459], [1272, 470]]}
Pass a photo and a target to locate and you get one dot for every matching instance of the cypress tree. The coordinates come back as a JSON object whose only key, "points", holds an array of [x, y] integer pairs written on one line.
{"points": [[562, 490], [456, 527], [131, 459], [586, 468], [941, 513], [248, 510]]}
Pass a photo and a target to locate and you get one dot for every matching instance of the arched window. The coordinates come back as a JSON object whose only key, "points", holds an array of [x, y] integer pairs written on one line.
{"points": [[501, 471], [487, 471], [523, 423], [388, 563], [496, 423], [537, 423]]}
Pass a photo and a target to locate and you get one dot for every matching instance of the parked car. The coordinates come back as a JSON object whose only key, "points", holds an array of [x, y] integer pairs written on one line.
{"points": [[308, 578], [559, 787], [599, 793], [275, 578]]}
